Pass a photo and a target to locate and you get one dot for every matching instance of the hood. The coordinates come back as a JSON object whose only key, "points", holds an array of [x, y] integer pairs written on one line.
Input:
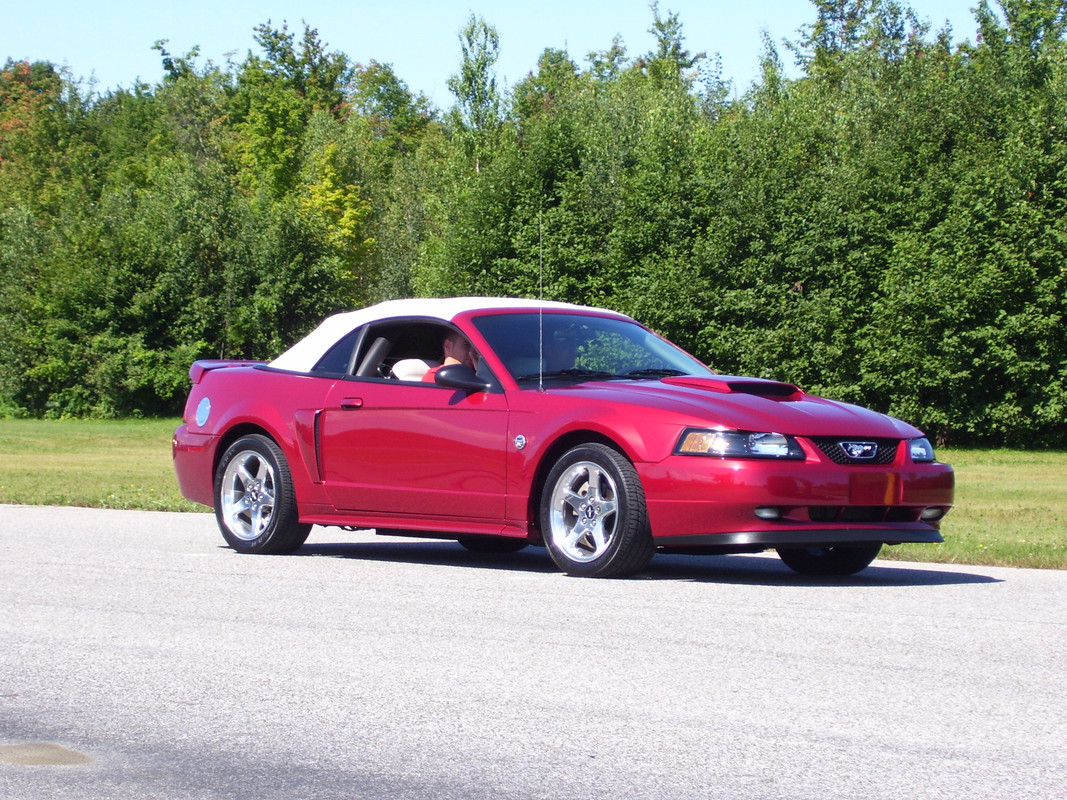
{"points": [[749, 404]]}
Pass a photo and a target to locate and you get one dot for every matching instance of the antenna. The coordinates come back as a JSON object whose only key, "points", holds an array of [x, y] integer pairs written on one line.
{"points": [[540, 305]]}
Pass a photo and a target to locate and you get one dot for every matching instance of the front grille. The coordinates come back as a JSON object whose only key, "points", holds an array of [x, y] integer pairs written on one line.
{"points": [[863, 513], [831, 448]]}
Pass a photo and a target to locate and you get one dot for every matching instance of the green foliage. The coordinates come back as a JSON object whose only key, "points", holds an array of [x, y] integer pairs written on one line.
{"points": [[169, 226], [475, 84], [888, 229]]}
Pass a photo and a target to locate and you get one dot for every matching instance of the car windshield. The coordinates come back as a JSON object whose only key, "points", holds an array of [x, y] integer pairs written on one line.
{"points": [[576, 347]]}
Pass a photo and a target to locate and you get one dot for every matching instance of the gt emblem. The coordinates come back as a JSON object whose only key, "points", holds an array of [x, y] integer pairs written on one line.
{"points": [[860, 450]]}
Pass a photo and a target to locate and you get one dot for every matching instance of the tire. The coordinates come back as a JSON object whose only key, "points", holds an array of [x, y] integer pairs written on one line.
{"points": [[833, 560], [492, 544], [255, 505], [593, 514]]}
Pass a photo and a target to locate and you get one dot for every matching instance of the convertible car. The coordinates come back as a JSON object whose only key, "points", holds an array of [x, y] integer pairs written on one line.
{"points": [[570, 427]]}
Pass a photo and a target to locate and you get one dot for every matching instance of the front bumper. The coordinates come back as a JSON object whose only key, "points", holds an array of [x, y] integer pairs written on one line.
{"points": [[754, 541], [751, 505]]}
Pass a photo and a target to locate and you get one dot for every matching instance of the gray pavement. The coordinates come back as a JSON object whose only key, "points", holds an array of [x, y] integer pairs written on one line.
{"points": [[139, 658]]}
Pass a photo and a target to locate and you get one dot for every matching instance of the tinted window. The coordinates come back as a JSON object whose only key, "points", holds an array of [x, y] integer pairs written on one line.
{"points": [[337, 358], [532, 345]]}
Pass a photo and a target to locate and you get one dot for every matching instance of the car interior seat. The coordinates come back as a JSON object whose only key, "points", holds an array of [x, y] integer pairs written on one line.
{"points": [[412, 369]]}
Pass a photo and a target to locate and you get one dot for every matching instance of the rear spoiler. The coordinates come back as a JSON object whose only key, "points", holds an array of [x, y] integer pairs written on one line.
{"points": [[197, 370]]}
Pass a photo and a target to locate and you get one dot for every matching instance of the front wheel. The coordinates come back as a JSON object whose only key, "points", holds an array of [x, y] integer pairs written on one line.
{"points": [[593, 514], [832, 560], [255, 505]]}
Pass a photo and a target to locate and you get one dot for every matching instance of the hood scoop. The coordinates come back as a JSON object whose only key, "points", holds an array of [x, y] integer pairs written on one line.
{"points": [[729, 384]]}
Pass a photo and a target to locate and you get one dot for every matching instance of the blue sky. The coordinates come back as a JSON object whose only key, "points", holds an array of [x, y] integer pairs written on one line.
{"points": [[113, 40]]}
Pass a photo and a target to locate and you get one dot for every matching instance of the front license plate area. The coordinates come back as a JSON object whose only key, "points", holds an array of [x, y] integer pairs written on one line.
{"points": [[875, 489]]}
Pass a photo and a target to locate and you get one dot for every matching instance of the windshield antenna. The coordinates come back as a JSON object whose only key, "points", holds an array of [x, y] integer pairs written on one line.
{"points": [[540, 305]]}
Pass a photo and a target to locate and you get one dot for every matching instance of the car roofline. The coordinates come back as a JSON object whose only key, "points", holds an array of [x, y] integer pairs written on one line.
{"points": [[303, 355]]}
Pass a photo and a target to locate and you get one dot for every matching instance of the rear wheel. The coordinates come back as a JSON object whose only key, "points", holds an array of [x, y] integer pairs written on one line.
{"points": [[593, 514], [255, 505], [832, 560]]}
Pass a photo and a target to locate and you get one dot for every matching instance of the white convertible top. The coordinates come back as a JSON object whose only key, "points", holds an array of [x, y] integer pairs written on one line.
{"points": [[305, 354]]}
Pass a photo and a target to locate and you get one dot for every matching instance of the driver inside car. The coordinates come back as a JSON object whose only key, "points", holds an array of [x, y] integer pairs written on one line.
{"points": [[457, 350]]}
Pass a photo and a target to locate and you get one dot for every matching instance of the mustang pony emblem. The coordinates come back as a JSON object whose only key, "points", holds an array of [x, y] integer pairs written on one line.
{"points": [[860, 450]]}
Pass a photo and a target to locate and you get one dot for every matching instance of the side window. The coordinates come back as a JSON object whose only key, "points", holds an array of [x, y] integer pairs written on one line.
{"points": [[418, 349], [396, 350], [384, 345], [338, 358]]}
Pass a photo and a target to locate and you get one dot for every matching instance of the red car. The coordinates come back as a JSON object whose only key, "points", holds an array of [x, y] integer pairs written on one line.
{"points": [[570, 427]]}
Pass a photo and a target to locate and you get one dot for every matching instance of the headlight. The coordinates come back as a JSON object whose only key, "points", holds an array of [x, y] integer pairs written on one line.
{"points": [[738, 444], [921, 450]]}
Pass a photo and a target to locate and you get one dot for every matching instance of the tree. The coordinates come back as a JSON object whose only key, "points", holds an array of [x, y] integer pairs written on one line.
{"points": [[474, 86], [886, 229], [275, 97], [670, 54], [385, 99]]}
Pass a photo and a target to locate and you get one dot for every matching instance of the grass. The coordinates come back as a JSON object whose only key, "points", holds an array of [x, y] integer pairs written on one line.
{"points": [[1011, 510], [122, 464], [1011, 506]]}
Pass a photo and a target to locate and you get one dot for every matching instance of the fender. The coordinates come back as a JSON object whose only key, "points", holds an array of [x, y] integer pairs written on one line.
{"points": [[242, 395], [541, 434]]}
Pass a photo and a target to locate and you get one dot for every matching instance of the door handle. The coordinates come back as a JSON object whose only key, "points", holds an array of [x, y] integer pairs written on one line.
{"points": [[351, 403]]}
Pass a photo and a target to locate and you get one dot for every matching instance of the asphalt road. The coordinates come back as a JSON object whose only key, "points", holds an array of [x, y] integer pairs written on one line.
{"points": [[159, 664]]}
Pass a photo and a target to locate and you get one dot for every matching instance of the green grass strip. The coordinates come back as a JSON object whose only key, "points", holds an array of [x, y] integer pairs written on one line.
{"points": [[122, 464], [1011, 506]]}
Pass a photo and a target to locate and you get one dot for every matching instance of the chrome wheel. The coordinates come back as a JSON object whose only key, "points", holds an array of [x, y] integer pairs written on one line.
{"points": [[255, 503], [247, 497], [593, 514], [584, 512]]}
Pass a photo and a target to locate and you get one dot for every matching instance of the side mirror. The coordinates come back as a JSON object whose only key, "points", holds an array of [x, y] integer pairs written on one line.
{"points": [[462, 377]]}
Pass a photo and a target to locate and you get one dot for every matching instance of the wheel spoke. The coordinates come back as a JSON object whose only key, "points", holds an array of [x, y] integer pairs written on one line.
{"points": [[235, 501], [582, 536], [244, 474], [604, 501], [258, 520], [605, 508], [588, 539], [266, 495], [593, 477], [574, 500]]}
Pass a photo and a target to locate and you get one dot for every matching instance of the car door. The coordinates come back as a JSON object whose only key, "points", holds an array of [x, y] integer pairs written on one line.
{"points": [[414, 449]]}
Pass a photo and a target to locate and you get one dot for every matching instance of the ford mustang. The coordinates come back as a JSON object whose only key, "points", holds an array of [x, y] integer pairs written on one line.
{"points": [[503, 423]]}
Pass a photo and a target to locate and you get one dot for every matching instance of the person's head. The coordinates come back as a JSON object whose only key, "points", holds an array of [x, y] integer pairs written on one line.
{"points": [[560, 350], [459, 351]]}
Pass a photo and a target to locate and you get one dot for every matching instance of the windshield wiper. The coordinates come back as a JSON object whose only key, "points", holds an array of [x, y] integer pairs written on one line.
{"points": [[655, 372], [581, 374]]}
